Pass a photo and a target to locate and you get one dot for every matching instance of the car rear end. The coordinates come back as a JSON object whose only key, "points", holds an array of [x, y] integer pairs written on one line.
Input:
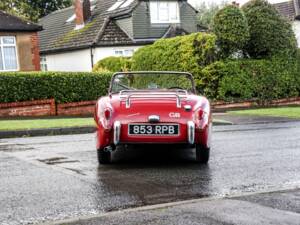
{"points": [[155, 118]]}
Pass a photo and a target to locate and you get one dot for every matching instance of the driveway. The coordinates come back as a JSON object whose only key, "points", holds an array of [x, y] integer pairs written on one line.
{"points": [[57, 177]]}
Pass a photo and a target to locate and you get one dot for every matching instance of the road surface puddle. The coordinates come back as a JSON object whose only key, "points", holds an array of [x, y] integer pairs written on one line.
{"points": [[57, 160]]}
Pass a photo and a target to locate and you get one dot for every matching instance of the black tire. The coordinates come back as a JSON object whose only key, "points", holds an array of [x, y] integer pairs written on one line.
{"points": [[202, 154], [104, 157]]}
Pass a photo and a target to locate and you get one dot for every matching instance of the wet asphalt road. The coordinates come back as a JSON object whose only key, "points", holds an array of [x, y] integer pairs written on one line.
{"points": [[57, 177]]}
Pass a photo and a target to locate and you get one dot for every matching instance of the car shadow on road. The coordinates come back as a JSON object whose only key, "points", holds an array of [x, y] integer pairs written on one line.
{"points": [[155, 174], [154, 156]]}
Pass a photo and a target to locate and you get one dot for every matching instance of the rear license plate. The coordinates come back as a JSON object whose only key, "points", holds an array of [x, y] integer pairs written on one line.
{"points": [[151, 129]]}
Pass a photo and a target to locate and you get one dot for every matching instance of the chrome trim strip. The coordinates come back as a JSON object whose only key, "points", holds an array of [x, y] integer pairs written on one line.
{"points": [[179, 92], [191, 132], [117, 132], [154, 96]]}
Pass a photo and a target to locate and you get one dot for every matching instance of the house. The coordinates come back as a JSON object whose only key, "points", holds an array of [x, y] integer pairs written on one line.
{"points": [[19, 46], [291, 11], [75, 38]]}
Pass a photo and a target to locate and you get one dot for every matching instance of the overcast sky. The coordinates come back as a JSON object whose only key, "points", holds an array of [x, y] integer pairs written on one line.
{"points": [[195, 2]]}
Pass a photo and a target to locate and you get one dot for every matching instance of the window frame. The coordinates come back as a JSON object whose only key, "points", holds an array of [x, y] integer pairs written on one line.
{"points": [[2, 45], [43, 63], [157, 20], [123, 54]]}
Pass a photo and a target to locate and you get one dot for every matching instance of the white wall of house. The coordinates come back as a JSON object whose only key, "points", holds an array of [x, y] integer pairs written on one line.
{"points": [[80, 60], [76, 61], [101, 53], [296, 27]]}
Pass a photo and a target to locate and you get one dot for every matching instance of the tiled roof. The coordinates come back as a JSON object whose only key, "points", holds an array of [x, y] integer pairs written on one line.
{"points": [[59, 35], [289, 9], [12, 23]]}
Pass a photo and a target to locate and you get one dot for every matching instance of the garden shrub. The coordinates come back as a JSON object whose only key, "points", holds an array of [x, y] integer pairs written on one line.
{"points": [[263, 80], [62, 86], [270, 34], [113, 64], [188, 53], [231, 28]]}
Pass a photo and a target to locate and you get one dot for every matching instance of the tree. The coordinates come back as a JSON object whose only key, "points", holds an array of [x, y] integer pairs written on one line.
{"points": [[206, 14], [10, 6], [231, 28], [270, 34], [33, 9]]}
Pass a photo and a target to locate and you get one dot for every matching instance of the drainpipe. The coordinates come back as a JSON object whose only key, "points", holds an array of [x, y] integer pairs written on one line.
{"points": [[92, 48]]}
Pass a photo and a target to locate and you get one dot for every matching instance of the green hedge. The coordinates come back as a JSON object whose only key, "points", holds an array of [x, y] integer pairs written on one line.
{"points": [[270, 33], [62, 86], [262, 80], [188, 53], [113, 64], [223, 80], [232, 30]]}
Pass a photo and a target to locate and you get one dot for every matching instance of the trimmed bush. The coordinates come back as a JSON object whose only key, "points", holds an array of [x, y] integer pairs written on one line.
{"points": [[270, 34], [231, 28], [113, 64], [62, 86], [262, 80], [188, 53]]}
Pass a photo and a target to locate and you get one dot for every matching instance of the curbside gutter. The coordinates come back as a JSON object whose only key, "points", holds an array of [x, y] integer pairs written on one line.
{"points": [[46, 132], [66, 131]]}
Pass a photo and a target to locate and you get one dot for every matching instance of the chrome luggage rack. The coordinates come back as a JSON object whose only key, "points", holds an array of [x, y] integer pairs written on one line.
{"points": [[129, 94]]}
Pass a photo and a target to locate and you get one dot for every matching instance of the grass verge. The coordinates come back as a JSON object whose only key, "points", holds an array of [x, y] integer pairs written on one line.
{"points": [[27, 124], [288, 112]]}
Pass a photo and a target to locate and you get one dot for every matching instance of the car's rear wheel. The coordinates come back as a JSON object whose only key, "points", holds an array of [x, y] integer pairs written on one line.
{"points": [[202, 154], [104, 157]]}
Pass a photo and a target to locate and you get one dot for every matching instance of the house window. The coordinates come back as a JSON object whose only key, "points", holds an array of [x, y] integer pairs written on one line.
{"points": [[8, 54], [126, 53], [43, 63], [164, 12]]}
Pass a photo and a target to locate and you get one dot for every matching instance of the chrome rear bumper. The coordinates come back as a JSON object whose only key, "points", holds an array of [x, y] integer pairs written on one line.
{"points": [[191, 132], [117, 132]]}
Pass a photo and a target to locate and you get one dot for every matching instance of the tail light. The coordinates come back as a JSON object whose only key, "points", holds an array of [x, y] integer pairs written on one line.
{"points": [[107, 113], [202, 118]]}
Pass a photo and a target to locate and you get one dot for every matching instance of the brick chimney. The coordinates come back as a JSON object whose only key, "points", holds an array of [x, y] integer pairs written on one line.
{"points": [[82, 12]]}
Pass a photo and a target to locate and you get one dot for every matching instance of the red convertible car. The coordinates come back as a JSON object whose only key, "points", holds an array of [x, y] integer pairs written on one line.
{"points": [[153, 108]]}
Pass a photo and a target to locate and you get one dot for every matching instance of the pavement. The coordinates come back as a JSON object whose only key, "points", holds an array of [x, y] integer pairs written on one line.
{"points": [[252, 178], [281, 207]]}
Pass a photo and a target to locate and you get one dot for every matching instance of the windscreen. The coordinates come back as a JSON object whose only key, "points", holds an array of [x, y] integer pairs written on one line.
{"points": [[152, 81]]}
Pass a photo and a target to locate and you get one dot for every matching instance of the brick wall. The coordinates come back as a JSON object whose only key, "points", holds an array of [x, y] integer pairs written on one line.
{"points": [[76, 108], [28, 108], [223, 106], [49, 108]]}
